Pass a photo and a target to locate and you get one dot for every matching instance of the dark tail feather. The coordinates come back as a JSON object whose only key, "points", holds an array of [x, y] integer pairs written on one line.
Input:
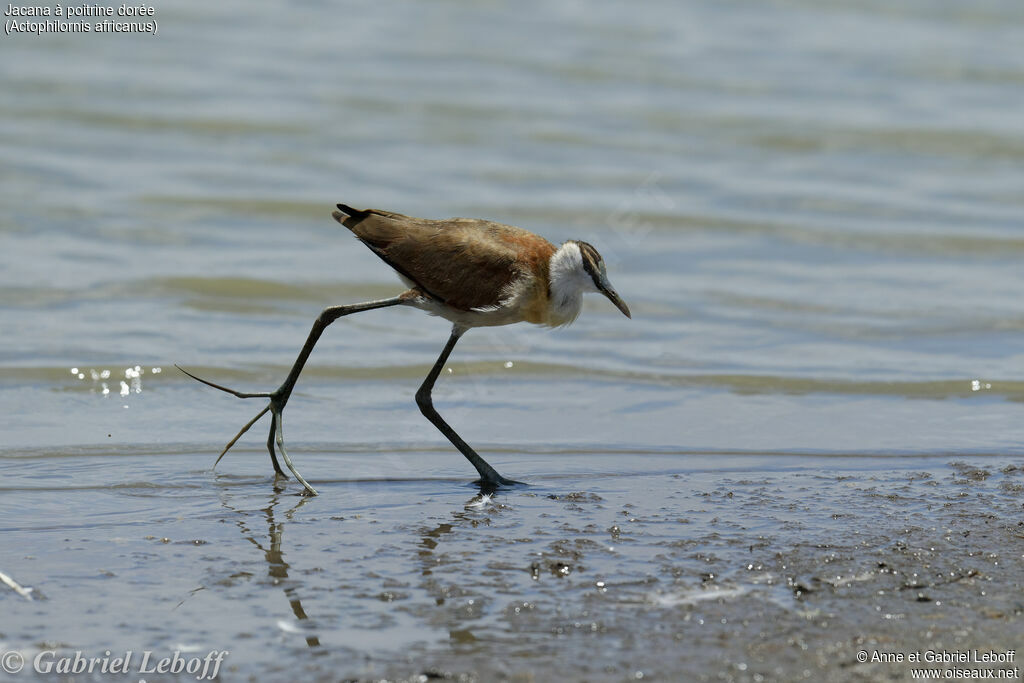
{"points": [[349, 211], [348, 216]]}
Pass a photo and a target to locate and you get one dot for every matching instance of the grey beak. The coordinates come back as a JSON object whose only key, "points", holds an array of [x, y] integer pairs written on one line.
{"points": [[613, 296]]}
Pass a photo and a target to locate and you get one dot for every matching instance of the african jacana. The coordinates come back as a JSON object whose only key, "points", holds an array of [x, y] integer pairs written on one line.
{"points": [[471, 272]]}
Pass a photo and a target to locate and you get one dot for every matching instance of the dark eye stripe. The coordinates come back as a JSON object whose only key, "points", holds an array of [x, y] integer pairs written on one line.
{"points": [[591, 259]]}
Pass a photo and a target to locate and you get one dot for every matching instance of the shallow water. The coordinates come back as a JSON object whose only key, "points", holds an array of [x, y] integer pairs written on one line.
{"points": [[736, 568], [814, 211]]}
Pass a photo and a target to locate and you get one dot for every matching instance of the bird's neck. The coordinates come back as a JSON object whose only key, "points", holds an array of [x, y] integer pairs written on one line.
{"points": [[569, 280]]}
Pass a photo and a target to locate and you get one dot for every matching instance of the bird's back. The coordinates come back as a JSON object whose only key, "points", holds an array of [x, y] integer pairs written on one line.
{"points": [[465, 263]]}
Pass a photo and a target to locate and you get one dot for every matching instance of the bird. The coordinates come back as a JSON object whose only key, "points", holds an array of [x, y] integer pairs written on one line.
{"points": [[471, 272]]}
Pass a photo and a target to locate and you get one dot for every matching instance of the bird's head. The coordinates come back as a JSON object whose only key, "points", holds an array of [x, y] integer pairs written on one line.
{"points": [[579, 262]]}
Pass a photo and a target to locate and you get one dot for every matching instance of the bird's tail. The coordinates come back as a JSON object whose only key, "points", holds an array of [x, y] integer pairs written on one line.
{"points": [[350, 217], [350, 212]]}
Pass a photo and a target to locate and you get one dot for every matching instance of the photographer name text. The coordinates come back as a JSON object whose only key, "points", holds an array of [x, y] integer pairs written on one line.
{"points": [[204, 668]]}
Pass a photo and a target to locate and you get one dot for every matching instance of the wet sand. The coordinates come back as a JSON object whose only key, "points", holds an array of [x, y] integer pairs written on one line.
{"points": [[690, 567]]}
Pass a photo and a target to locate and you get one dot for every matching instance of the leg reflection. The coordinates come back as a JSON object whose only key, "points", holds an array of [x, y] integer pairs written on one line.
{"points": [[277, 567]]}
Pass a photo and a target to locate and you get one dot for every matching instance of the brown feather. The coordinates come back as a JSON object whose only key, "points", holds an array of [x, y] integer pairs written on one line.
{"points": [[465, 263]]}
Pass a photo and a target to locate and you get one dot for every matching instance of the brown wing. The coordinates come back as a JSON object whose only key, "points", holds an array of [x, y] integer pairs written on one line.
{"points": [[464, 262]]}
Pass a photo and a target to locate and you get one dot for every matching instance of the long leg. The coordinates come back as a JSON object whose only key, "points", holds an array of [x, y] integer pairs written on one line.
{"points": [[488, 475], [279, 397]]}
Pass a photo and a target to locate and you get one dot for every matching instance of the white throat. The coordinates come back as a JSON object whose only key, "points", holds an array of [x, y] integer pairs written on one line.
{"points": [[569, 280]]}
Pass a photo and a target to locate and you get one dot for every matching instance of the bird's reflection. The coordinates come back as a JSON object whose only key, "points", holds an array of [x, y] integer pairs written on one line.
{"points": [[277, 567], [429, 537], [271, 544]]}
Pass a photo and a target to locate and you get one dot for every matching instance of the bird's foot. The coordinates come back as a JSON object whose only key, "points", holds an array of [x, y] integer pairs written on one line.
{"points": [[278, 437], [492, 484], [276, 409]]}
